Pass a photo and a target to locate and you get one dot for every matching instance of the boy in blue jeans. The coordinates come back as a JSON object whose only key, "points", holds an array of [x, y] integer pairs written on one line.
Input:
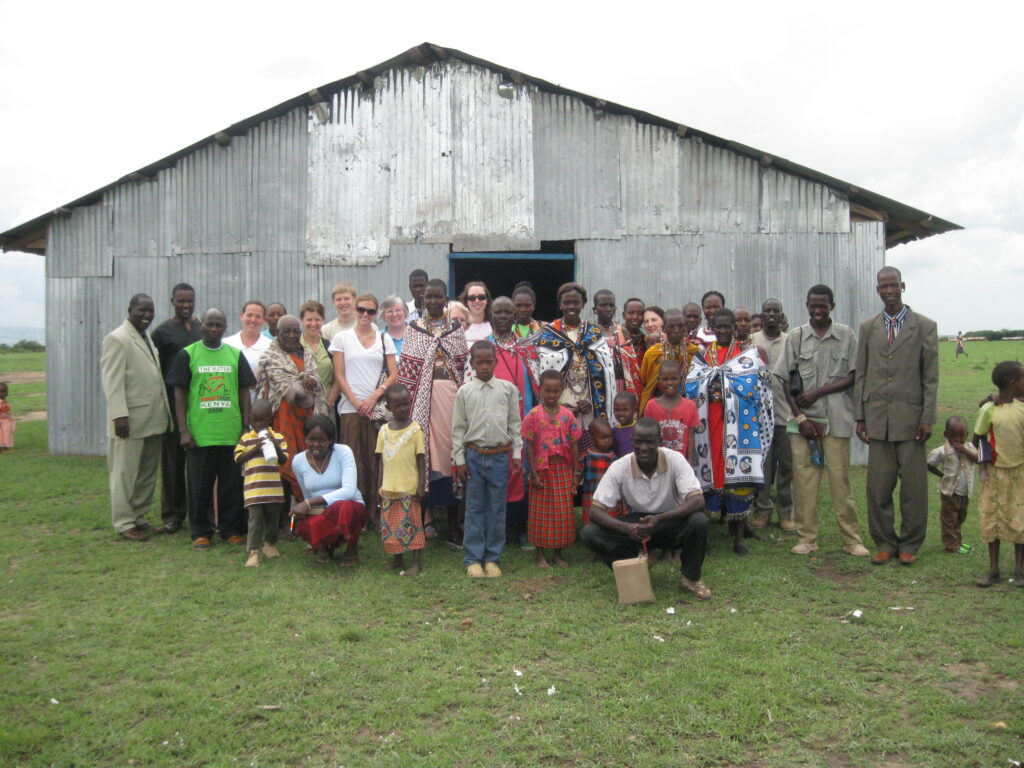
{"points": [[487, 443]]}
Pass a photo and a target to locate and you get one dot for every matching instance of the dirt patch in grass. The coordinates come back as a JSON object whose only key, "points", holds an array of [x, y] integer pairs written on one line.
{"points": [[974, 679], [24, 376], [527, 589], [825, 568], [32, 416]]}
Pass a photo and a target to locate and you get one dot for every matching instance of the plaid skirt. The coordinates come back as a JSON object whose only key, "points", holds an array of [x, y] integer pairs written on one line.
{"points": [[401, 525], [552, 523], [342, 521]]}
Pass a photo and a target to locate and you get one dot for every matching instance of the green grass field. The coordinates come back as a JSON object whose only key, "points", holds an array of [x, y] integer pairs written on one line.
{"points": [[152, 654]]}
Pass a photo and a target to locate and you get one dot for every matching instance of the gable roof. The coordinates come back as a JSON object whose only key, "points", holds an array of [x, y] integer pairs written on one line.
{"points": [[903, 223]]}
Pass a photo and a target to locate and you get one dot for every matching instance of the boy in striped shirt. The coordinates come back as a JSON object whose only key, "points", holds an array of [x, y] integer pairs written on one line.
{"points": [[261, 483]]}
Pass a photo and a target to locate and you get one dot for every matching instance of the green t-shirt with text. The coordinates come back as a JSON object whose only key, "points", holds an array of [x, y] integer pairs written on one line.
{"points": [[214, 413]]}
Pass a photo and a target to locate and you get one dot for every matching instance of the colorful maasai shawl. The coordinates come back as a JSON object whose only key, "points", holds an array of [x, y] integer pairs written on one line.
{"points": [[624, 355], [557, 351], [747, 414], [428, 344], [277, 372], [651, 366], [516, 362]]}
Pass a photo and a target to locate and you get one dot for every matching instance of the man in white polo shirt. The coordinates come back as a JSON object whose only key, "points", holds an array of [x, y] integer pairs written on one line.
{"points": [[666, 508]]}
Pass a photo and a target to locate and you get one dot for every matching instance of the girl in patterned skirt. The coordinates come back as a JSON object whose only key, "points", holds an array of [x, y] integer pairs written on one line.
{"points": [[400, 449], [1001, 497], [551, 434]]}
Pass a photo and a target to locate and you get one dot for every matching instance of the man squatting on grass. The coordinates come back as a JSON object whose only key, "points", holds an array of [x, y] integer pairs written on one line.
{"points": [[668, 508]]}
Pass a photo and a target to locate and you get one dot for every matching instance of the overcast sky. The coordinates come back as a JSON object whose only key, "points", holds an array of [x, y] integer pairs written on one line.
{"points": [[923, 103]]}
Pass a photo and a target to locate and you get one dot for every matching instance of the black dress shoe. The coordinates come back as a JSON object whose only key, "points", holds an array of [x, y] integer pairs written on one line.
{"points": [[172, 527]]}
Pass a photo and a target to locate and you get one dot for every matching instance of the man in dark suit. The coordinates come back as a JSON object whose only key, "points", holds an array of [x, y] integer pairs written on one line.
{"points": [[138, 415], [894, 404]]}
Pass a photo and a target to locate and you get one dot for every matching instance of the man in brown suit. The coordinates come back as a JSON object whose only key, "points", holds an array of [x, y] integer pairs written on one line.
{"points": [[137, 417], [894, 404]]}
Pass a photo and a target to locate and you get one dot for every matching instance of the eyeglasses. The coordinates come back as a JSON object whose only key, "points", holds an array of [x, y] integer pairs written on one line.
{"points": [[366, 311], [477, 297]]}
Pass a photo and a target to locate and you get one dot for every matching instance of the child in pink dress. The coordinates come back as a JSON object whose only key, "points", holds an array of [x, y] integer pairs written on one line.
{"points": [[6, 420], [551, 434], [676, 415]]}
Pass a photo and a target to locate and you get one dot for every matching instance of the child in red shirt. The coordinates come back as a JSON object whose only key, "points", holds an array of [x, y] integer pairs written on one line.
{"points": [[676, 415]]}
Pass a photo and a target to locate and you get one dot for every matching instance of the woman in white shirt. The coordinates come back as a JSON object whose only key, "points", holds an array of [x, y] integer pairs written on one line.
{"points": [[361, 354], [478, 299]]}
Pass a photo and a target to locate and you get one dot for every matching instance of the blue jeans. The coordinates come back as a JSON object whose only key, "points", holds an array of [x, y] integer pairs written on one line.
{"points": [[484, 537]]}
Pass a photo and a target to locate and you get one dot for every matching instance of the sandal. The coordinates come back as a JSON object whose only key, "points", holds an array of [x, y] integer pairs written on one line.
{"points": [[988, 580]]}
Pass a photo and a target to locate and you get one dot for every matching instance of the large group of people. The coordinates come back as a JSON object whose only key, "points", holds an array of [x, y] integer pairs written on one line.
{"points": [[408, 416]]}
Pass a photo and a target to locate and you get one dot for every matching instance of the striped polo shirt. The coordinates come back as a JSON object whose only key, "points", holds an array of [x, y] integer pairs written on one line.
{"points": [[261, 482]]}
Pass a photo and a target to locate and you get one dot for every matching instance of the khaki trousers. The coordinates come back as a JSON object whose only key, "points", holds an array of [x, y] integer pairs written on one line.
{"points": [[133, 464], [807, 480]]}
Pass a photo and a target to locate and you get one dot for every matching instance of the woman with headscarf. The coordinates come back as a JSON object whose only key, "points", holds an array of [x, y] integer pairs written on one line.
{"points": [[433, 367], [287, 378]]}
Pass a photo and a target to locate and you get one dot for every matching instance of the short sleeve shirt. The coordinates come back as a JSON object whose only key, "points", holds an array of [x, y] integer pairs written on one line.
{"points": [[398, 449], [213, 379], [821, 361], [1006, 423], [551, 434], [672, 481], [675, 424], [362, 364]]}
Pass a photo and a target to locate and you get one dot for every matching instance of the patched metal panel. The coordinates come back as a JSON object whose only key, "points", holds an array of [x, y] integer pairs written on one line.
{"points": [[421, 154], [792, 204], [280, 161], [349, 180], [649, 170], [80, 244], [720, 190], [81, 312], [213, 198], [492, 127], [576, 170]]}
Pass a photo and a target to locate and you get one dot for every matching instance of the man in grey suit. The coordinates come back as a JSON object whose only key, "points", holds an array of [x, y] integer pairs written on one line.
{"points": [[137, 417], [894, 404]]}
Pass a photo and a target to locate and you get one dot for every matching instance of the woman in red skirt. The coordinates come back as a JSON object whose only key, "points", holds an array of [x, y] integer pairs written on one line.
{"points": [[551, 433], [333, 510]]}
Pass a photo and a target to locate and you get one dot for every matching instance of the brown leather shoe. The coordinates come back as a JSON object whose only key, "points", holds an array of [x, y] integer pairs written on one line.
{"points": [[236, 539], [148, 529], [881, 558], [907, 559], [133, 534]]}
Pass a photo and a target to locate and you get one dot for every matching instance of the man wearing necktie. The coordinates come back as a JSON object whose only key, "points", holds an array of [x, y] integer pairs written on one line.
{"points": [[137, 417], [894, 404]]}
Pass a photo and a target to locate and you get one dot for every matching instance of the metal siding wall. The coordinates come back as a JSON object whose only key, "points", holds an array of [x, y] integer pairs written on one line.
{"points": [[493, 151], [649, 169], [81, 312], [81, 244], [214, 189], [720, 190], [421, 155], [576, 170], [280, 158], [792, 204], [349, 180]]}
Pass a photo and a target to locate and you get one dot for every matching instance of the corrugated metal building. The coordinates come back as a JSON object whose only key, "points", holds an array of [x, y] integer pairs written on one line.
{"points": [[439, 160]]}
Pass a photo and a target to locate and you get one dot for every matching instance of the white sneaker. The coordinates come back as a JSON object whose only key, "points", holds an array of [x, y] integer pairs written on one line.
{"points": [[254, 559], [804, 548], [857, 550]]}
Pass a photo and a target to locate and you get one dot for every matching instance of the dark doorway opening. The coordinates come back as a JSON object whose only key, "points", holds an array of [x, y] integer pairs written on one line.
{"points": [[501, 271]]}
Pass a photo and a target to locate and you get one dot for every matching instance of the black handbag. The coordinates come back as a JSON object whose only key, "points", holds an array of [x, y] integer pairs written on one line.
{"points": [[796, 381]]}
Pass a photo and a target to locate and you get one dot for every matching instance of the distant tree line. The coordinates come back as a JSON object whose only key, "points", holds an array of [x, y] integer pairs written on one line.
{"points": [[1004, 333], [25, 345]]}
